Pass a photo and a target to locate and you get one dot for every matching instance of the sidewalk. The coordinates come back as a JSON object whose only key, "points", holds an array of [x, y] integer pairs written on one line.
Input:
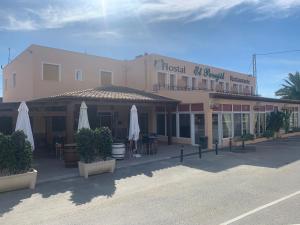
{"points": [[51, 169]]}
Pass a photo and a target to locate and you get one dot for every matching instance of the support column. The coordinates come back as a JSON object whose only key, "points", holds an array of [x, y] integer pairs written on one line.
{"points": [[70, 123], [169, 125], [208, 127]]}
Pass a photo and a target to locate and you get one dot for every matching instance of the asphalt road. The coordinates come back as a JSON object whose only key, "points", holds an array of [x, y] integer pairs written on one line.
{"points": [[261, 187]]}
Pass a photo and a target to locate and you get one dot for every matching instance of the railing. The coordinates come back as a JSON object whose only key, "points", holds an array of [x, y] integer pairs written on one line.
{"points": [[232, 91]]}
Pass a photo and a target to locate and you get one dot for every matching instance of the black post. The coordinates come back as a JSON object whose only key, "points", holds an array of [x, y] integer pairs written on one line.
{"points": [[243, 143], [200, 151], [230, 144], [181, 154], [216, 148]]}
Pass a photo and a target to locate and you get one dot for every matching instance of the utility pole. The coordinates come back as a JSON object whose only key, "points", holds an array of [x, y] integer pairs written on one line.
{"points": [[8, 60], [254, 72]]}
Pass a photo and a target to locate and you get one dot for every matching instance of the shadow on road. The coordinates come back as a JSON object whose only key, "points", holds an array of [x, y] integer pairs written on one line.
{"points": [[271, 154]]}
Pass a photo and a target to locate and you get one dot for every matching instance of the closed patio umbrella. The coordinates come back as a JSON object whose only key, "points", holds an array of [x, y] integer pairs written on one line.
{"points": [[134, 128], [23, 123], [83, 117]]}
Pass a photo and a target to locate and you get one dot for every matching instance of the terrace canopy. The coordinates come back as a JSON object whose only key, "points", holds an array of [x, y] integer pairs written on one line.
{"points": [[49, 113]]}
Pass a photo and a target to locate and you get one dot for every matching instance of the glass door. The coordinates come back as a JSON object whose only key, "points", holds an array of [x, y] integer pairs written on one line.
{"points": [[199, 127]]}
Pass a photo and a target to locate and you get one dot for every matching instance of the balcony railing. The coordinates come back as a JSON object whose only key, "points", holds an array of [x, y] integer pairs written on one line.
{"points": [[218, 89]]}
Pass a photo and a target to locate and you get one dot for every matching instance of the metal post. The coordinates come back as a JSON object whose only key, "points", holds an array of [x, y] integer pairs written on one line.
{"points": [[216, 148], [230, 144], [243, 143], [181, 154], [200, 151]]}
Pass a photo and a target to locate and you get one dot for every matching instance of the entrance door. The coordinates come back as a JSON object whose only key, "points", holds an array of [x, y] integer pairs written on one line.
{"points": [[106, 120], [215, 128], [199, 127]]}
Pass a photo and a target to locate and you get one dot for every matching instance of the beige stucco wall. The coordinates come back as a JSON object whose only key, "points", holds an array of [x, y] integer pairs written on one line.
{"points": [[23, 67], [139, 73]]}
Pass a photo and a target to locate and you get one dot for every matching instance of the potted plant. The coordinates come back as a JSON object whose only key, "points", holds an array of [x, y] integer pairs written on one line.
{"points": [[95, 148], [15, 163]]}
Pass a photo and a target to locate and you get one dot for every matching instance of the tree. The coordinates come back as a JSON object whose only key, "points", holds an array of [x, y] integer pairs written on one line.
{"points": [[291, 88]]}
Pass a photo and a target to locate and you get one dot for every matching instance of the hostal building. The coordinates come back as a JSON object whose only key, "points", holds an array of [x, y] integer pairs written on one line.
{"points": [[178, 100]]}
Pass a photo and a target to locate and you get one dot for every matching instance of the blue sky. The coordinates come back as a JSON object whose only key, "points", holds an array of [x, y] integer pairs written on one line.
{"points": [[222, 33]]}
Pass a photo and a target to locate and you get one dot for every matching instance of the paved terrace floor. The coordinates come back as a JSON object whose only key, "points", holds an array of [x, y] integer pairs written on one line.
{"points": [[51, 169]]}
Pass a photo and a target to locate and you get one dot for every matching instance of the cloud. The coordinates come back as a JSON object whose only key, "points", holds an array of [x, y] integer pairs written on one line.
{"points": [[34, 15]]}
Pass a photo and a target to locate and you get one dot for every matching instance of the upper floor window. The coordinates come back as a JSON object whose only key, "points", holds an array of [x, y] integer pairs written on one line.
{"points": [[161, 79], [5, 84], [194, 83], [227, 87], [240, 89], [51, 72], [14, 80], [78, 75], [105, 78], [204, 83], [172, 81], [212, 85]]}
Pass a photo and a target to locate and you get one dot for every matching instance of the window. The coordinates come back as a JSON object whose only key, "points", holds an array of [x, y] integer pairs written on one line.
{"points": [[259, 123], [160, 124], [246, 123], [105, 78], [172, 81], [78, 75], [237, 124], [240, 88], [251, 91], [143, 122], [199, 127], [212, 85], [185, 125], [227, 125], [235, 88], [14, 80], [227, 87], [184, 82], [51, 72], [174, 125], [161, 79], [221, 86], [5, 84], [194, 83], [204, 83]]}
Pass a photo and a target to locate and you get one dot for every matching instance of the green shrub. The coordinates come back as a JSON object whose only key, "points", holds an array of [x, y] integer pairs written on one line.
{"points": [[7, 156], [296, 129], [268, 134], [275, 121], [22, 149], [15, 153], [286, 121], [103, 141], [247, 137], [86, 145]]}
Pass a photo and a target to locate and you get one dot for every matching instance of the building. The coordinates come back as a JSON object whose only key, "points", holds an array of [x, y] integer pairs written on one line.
{"points": [[178, 100]]}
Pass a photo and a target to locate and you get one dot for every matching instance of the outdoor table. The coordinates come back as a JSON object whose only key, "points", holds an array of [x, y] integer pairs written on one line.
{"points": [[152, 144]]}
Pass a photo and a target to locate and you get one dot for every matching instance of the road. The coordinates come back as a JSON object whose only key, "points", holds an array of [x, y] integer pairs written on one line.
{"points": [[261, 187]]}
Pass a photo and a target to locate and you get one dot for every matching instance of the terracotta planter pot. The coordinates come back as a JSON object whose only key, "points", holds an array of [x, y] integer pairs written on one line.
{"points": [[86, 169], [18, 181], [71, 157]]}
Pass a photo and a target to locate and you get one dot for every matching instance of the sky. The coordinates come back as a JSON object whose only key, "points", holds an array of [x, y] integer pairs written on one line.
{"points": [[220, 33]]}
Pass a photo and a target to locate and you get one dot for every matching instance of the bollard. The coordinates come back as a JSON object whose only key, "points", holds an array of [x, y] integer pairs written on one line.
{"points": [[243, 143], [230, 144], [200, 151], [216, 148], [181, 154]]}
